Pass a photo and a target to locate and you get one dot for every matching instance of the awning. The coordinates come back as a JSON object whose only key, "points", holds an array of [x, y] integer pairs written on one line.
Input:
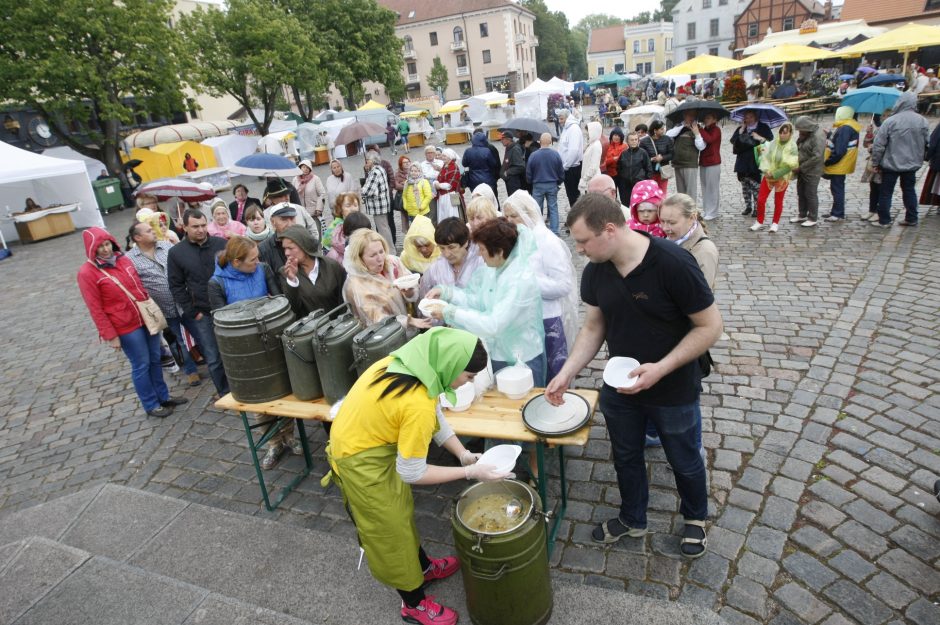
{"points": [[705, 64], [827, 34], [194, 131], [495, 103], [904, 39], [620, 80], [452, 107], [372, 105], [786, 53], [415, 114]]}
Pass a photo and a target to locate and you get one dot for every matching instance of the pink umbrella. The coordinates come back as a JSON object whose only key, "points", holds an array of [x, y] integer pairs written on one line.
{"points": [[186, 190]]}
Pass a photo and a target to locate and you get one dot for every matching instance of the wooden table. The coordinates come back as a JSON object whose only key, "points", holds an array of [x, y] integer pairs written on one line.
{"points": [[51, 222], [492, 416]]}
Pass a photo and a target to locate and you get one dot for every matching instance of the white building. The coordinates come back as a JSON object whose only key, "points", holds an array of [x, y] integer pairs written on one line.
{"points": [[705, 27]]}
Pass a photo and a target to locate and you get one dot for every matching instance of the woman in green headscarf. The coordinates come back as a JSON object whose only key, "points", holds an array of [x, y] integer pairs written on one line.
{"points": [[378, 448]]}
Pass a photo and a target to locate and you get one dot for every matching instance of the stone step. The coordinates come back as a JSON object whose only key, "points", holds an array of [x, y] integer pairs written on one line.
{"points": [[48, 583], [304, 573]]}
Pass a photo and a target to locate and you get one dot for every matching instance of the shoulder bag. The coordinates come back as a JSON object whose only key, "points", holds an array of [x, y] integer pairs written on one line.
{"points": [[665, 171], [150, 313]]}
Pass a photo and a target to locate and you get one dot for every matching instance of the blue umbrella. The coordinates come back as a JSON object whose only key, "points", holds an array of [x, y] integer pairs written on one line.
{"points": [[846, 76], [767, 113], [871, 99], [263, 164], [883, 79]]}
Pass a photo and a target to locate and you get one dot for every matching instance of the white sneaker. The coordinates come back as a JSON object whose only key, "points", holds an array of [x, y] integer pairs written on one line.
{"points": [[834, 218], [873, 217], [774, 227], [757, 226], [796, 220], [808, 223]]}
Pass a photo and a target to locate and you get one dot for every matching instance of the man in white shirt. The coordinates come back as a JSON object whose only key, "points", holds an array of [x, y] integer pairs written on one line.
{"points": [[571, 150]]}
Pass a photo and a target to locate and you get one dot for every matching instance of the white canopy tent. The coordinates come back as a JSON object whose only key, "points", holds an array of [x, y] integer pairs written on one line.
{"points": [[48, 181], [230, 148], [93, 165], [563, 86], [477, 106], [532, 101]]}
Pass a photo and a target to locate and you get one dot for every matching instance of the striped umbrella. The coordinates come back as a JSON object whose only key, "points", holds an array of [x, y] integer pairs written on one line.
{"points": [[186, 190]]}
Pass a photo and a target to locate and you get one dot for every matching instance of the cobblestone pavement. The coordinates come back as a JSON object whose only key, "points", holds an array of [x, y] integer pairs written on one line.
{"points": [[822, 424]]}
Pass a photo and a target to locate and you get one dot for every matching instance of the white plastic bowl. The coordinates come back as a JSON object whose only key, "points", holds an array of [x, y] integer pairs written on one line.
{"points": [[501, 457], [514, 381], [465, 395], [426, 304], [443, 186], [618, 370], [408, 282]]}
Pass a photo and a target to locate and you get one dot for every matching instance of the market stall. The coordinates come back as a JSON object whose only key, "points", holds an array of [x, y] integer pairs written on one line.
{"points": [[421, 128], [230, 148], [49, 182]]}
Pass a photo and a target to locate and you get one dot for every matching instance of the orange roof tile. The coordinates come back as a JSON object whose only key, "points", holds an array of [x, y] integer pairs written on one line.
{"points": [[422, 10], [606, 39], [875, 11]]}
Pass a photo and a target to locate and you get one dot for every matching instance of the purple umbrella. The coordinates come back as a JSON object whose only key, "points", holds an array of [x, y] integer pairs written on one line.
{"points": [[866, 70], [767, 113]]}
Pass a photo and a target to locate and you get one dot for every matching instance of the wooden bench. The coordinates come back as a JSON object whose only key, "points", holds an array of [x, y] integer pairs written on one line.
{"points": [[492, 416]]}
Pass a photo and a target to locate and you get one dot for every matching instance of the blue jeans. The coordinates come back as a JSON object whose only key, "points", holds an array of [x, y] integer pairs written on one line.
{"points": [[205, 336], [888, 179], [143, 351], [837, 187], [626, 424], [547, 190], [537, 364], [175, 322]]}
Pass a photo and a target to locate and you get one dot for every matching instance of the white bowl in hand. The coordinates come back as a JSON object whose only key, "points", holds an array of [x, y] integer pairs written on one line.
{"points": [[427, 304], [443, 186], [502, 457], [465, 395], [618, 370], [408, 282]]}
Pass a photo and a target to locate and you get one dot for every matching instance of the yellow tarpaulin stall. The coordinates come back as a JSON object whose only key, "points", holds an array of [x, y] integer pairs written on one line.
{"points": [[372, 105], [705, 64], [786, 53], [152, 166], [176, 154]]}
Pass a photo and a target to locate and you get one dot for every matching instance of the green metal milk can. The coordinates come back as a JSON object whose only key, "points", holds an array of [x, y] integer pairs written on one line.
{"points": [[249, 338], [505, 571], [376, 342], [301, 361], [332, 346]]}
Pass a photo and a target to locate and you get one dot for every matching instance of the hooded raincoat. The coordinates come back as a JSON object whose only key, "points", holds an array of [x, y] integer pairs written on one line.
{"points": [[373, 297], [591, 162], [502, 306], [645, 191], [479, 163], [778, 159], [411, 256], [901, 141], [842, 143], [370, 434]]}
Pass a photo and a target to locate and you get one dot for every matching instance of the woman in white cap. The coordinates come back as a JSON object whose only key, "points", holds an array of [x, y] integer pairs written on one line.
{"points": [[311, 191]]}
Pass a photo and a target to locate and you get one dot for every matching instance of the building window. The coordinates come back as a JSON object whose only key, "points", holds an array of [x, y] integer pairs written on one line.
{"points": [[932, 5], [636, 47], [689, 55], [722, 3], [668, 64], [639, 68], [412, 68], [409, 43], [668, 44], [706, 4], [651, 45], [486, 56], [788, 23], [713, 28], [458, 34], [497, 83], [461, 60], [690, 31], [464, 86], [618, 68], [484, 29], [713, 51], [752, 29], [648, 68], [600, 70], [433, 39]]}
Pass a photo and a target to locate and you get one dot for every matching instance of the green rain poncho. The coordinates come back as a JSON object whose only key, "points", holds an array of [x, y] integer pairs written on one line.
{"points": [[778, 159]]}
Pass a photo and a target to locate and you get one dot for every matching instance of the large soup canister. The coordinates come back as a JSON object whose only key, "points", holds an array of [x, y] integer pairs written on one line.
{"points": [[249, 338], [377, 341], [505, 566], [332, 346], [301, 361]]}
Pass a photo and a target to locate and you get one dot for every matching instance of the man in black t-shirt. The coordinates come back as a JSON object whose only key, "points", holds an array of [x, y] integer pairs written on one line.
{"points": [[648, 299]]}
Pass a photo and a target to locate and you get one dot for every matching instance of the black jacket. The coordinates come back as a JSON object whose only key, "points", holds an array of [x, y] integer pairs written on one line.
{"points": [[634, 166], [189, 267], [513, 162], [743, 146], [480, 163], [664, 146], [233, 207], [271, 253]]}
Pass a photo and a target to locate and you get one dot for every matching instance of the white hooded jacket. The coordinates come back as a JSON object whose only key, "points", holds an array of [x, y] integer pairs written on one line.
{"points": [[591, 162], [571, 143]]}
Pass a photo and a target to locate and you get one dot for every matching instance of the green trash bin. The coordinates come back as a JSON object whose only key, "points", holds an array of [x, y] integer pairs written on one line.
{"points": [[108, 194]]}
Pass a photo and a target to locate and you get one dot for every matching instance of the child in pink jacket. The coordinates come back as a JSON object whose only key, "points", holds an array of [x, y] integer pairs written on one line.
{"points": [[644, 208]]}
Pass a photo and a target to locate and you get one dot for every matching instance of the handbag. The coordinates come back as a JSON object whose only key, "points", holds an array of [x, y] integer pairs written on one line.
{"points": [[150, 313], [665, 171]]}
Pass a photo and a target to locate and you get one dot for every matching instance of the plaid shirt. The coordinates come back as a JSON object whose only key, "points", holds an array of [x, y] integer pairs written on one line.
{"points": [[375, 198], [153, 275]]}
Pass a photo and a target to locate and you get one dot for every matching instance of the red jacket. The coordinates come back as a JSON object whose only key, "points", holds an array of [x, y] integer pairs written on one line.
{"points": [[614, 150], [112, 311], [711, 155]]}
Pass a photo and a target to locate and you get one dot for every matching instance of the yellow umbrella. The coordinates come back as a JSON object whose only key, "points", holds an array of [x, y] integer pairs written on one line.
{"points": [[372, 105], [705, 64], [785, 53], [904, 39]]}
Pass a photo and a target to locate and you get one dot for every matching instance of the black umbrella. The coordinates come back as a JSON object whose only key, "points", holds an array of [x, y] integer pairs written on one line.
{"points": [[131, 164], [526, 124], [701, 107]]}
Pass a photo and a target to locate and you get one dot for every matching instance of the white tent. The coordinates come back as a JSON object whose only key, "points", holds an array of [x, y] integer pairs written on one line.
{"points": [[332, 128], [532, 101], [280, 142], [93, 165], [48, 181], [563, 86], [477, 109], [230, 148]]}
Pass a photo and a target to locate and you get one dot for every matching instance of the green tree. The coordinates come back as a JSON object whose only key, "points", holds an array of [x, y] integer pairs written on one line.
{"points": [[665, 10], [249, 52], [577, 55], [78, 63], [438, 78], [360, 35], [597, 20], [552, 30]]}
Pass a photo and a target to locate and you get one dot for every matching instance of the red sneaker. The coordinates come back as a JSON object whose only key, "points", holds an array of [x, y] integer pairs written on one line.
{"points": [[441, 568], [428, 612]]}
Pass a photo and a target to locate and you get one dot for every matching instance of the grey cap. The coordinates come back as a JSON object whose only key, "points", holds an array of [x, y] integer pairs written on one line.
{"points": [[284, 209]]}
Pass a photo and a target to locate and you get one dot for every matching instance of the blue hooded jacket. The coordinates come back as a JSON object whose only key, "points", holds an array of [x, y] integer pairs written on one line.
{"points": [[479, 163]]}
